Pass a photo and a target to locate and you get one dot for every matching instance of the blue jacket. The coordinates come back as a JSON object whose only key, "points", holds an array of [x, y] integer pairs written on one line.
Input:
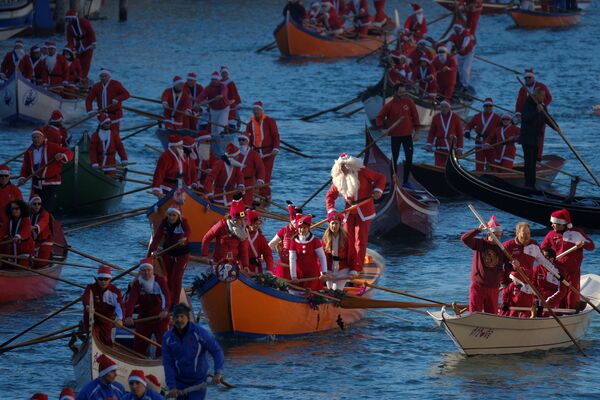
{"points": [[148, 395], [98, 390], [185, 360]]}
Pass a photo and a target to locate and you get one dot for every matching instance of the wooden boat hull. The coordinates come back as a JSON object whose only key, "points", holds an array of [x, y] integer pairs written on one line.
{"points": [[538, 19], [19, 285], [296, 41], [482, 333], [537, 207], [86, 190], [488, 8], [230, 308], [24, 101], [200, 214], [15, 16]]}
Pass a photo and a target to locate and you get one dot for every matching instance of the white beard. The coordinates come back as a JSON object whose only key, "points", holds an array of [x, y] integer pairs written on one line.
{"points": [[236, 163], [419, 17], [239, 231], [20, 53], [347, 184], [244, 149], [442, 58], [51, 62], [180, 153], [147, 285], [203, 151], [104, 134]]}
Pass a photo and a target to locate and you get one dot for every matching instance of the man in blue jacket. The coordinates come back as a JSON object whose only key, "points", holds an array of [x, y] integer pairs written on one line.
{"points": [[105, 385], [184, 355]]}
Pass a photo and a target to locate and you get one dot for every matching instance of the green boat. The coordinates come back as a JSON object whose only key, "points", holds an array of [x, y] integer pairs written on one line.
{"points": [[84, 189]]}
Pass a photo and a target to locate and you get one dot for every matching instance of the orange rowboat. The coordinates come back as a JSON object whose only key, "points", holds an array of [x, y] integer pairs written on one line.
{"points": [[295, 40], [538, 19], [487, 7], [245, 308], [200, 214]]}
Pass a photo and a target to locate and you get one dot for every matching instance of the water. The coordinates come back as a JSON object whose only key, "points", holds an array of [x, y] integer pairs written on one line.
{"points": [[381, 357]]}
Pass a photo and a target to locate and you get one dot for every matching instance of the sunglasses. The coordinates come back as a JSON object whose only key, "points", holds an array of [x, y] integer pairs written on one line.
{"points": [[36, 204], [103, 279], [488, 105], [4, 176], [173, 214]]}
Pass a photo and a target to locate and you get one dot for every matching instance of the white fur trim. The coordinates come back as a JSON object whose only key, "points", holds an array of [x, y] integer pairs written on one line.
{"points": [[109, 276], [174, 210], [136, 379], [107, 370], [555, 220]]}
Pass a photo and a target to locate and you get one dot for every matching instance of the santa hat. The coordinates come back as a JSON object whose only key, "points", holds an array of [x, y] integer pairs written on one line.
{"points": [[4, 169], [488, 101], [257, 104], [56, 116], [103, 118], [177, 80], [493, 225], [146, 261], [529, 73], [137, 375], [305, 220], [44, 45], [105, 365], [34, 198], [326, 4], [106, 71], [19, 43], [427, 60], [459, 26], [69, 49], [445, 102], [104, 272], [39, 396], [293, 211], [397, 54], [175, 140], [38, 132], [231, 150], [215, 75], [349, 161], [224, 69], [204, 137], [252, 215], [507, 115], [422, 42], [153, 380], [51, 45], [35, 48], [174, 209], [192, 76], [561, 217], [416, 7], [237, 209], [71, 14], [67, 394], [243, 136], [335, 216], [188, 141], [442, 49]]}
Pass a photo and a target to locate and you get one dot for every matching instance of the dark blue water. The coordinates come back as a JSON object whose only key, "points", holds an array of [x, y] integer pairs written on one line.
{"points": [[381, 357]]}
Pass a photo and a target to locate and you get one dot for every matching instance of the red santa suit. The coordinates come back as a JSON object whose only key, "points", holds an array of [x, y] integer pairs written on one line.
{"points": [[12, 60], [281, 243], [332, 21], [307, 259], [395, 109], [443, 127], [504, 153], [175, 260], [151, 298], [463, 44], [544, 281], [8, 193], [522, 96], [484, 124], [401, 71], [75, 72], [473, 11], [416, 54], [258, 247], [223, 178], [17, 232], [445, 74], [104, 146], [42, 160], [425, 77], [56, 134], [416, 24], [264, 138], [217, 108], [253, 172], [227, 243], [81, 37], [40, 71], [362, 19], [355, 188], [193, 90], [57, 67], [235, 101], [514, 296], [108, 97], [380, 18], [41, 232], [107, 302], [170, 168], [175, 106]]}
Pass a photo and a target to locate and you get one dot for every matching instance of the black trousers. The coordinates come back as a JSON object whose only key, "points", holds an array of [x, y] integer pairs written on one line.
{"points": [[47, 193], [530, 158], [407, 143]]}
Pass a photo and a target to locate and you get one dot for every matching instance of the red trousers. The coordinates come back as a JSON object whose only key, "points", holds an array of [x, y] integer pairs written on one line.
{"points": [[440, 158], [446, 90], [249, 193], [174, 268], [269, 162], [282, 271], [43, 251], [473, 20], [483, 299], [506, 164], [380, 11], [312, 272], [358, 234], [483, 156], [85, 58], [148, 329], [566, 298], [103, 330]]}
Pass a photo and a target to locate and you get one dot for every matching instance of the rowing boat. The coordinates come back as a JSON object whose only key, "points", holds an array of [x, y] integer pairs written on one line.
{"points": [[24, 101], [483, 333], [15, 17], [487, 7], [230, 307], [434, 177], [85, 189], [199, 213], [20, 285], [400, 208], [541, 19], [293, 39]]}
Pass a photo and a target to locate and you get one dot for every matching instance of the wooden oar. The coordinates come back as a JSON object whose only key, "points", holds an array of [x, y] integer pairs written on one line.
{"points": [[36, 172], [157, 123], [34, 341], [112, 197], [332, 109], [267, 46], [523, 276], [352, 207], [13, 158], [133, 171], [146, 114], [157, 101], [119, 165], [91, 257], [108, 221], [133, 332], [35, 271], [351, 113], [414, 296], [81, 121], [562, 171], [476, 150], [514, 71], [101, 217], [47, 261], [558, 130]]}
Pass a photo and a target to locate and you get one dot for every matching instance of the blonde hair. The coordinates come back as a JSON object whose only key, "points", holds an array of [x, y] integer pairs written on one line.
{"points": [[328, 238], [522, 224]]}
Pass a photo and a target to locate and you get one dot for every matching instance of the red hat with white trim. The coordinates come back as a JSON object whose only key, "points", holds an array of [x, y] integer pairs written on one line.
{"points": [[416, 7], [231, 150], [192, 76], [104, 271], [44, 45], [444, 103], [153, 380], [103, 118], [252, 215], [494, 225], [397, 54], [19, 43], [71, 14], [561, 217], [257, 104], [137, 375], [56, 116], [237, 209], [529, 73], [144, 262], [38, 132], [442, 49], [426, 59], [35, 48], [458, 26], [204, 136], [188, 141], [174, 209], [67, 394], [175, 140], [304, 220], [105, 365], [4, 169], [69, 49], [224, 69], [488, 101], [335, 216], [39, 396], [51, 45], [34, 198], [243, 136], [177, 80], [215, 75], [105, 71]]}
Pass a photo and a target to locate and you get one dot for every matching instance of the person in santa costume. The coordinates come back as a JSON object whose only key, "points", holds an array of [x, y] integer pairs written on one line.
{"points": [[473, 9], [149, 296], [105, 386], [444, 126], [258, 246], [190, 158], [356, 184], [193, 89], [544, 281], [235, 101], [419, 52], [445, 68], [400, 71], [8, 191], [380, 18], [340, 253], [307, 258], [138, 389], [506, 132], [264, 138], [230, 237], [253, 169], [402, 109], [56, 66], [75, 73], [362, 19], [517, 295], [40, 74], [489, 268], [104, 146], [174, 229], [108, 302], [483, 124], [39, 396], [41, 231], [108, 95], [282, 240], [177, 106], [171, 170], [216, 97], [15, 234], [561, 238], [296, 10], [462, 44], [185, 356], [416, 24], [82, 38], [45, 160], [423, 74], [153, 383], [206, 159], [55, 131], [66, 394], [17, 58], [531, 84], [332, 21], [225, 177]]}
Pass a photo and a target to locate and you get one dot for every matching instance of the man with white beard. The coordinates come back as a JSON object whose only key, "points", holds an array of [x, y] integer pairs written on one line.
{"points": [[57, 67], [253, 168], [171, 171], [356, 184], [150, 293], [16, 58], [225, 177]]}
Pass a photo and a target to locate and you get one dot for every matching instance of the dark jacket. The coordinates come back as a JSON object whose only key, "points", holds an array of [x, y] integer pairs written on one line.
{"points": [[532, 123]]}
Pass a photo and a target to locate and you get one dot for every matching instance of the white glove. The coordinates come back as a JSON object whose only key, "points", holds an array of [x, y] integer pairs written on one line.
{"points": [[275, 151], [91, 112], [260, 182], [165, 104], [115, 101]]}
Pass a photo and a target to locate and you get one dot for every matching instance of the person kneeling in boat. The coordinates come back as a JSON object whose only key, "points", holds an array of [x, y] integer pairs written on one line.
{"points": [[185, 349], [41, 231], [307, 257], [333, 23], [282, 240], [150, 294], [108, 302], [55, 131], [517, 299], [15, 234], [507, 133], [340, 254], [105, 386], [259, 249], [104, 145], [138, 389], [444, 126]]}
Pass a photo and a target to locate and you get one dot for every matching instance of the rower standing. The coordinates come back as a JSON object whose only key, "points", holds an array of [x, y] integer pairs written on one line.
{"points": [[307, 258], [508, 133], [105, 386], [215, 97], [381, 17], [253, 169], [82, 38], [225, 177], [57, 67], [362, 19], [258, 247], [41, 231], [416, 24], [444, 65], [235, 101], [339, 252], [483, 124], [8, 191], [108, 94], [15, 234], [171, 170], [333, 23], [104, 146], [55, 131], [445, 126], [177, 106], [463, 45], [282, 240], [15, 60], [193, 89]]}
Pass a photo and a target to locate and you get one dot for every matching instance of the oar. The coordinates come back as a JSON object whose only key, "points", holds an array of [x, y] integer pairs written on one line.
{"points": [[414, 296], [267, 46], [352, 207], [351, 113], [108, 221], [133, 171], [91, 257], [476, 150], [564, 138], [141, 130], [35, 271], [47, 261], [332, 109], [153, 148], [133, 332], [146, 114], [157, 101], [137, 181], [36, 172], [13, 158], [289, 145], [81, 121], [32, 342], [111, 197], [525, 278], [118, 165], [101, 217], [514, 71], [135, 128], [562, 171]]}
